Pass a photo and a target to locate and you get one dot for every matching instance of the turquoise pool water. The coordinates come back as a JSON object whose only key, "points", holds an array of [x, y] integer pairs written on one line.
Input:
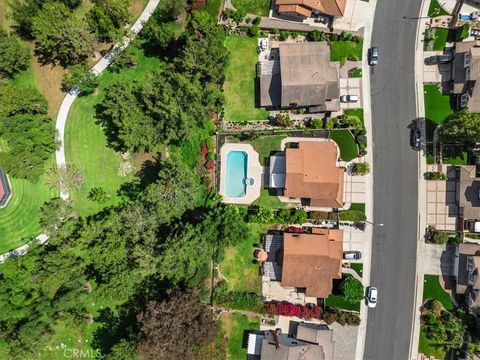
{"points": [[236, 174]]}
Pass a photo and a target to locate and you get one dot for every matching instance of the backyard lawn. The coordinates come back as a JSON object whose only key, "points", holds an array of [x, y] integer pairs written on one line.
{"points": [[86, 143], [19, 220], [347, 50], [265, 145], [240, 80], [433, 290], [237, 266], [346, 143], [234, 326], [256, 7], [270, 201]]}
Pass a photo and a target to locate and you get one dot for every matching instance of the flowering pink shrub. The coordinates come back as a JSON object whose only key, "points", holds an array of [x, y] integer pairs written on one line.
{"points": [[210, 165], [286, 309], [204, 149]]}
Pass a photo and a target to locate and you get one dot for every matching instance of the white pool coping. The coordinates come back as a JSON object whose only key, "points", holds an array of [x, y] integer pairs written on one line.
{"points": [[254, 171]]}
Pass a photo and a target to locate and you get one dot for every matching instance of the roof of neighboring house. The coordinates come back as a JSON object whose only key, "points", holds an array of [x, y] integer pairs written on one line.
{"points": [[5, 190], [312, 173], [308, 77], [312, 261], [295, 9], [469, 192], [329, 7], [465, 77], [465, 251], [312, 342]]}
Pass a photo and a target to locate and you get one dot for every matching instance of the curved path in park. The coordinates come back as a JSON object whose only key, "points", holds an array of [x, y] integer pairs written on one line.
{"points": [[97, 70], [67, 103]]}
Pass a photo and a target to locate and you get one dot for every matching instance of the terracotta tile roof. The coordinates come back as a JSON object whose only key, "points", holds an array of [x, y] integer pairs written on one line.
{"points": [[296, 9], [311, 261], [312, 173], [329, 7]]}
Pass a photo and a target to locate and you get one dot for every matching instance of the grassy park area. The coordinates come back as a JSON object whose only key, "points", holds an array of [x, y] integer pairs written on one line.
{"points": [[86, 143], [240, 86]]}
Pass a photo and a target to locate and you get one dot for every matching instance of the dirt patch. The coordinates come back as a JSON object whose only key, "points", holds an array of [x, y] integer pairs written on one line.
{"points": [[49, 82], [136, 8], [142, 157]]}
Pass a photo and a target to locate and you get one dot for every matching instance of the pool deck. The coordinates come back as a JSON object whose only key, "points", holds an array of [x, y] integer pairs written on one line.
{"points": [[254, 171]]}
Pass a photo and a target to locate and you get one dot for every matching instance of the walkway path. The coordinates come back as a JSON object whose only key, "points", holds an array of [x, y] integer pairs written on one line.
{"points": [[97, 70], [67, 102]]}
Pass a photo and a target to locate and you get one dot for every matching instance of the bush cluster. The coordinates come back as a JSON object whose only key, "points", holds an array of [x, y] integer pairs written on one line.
{"points": [[435, 236], [238, 300], [341, 317], [435, 175], [318, 35], [309, 311], [265, 215]]}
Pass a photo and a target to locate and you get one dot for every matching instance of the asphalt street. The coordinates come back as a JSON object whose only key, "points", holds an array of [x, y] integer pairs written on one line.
{"points": [[395, 184]]}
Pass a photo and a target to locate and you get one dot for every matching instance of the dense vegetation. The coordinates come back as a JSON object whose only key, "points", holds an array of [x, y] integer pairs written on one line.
{"points": [[14, 57], [28, 132]]}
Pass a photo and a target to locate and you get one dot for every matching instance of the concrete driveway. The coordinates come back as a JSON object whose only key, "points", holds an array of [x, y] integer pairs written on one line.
{"points": [[351, 86], [438, 259], [436, 73]]}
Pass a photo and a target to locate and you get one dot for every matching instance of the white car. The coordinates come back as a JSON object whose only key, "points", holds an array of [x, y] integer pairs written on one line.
{"points": [[349, 98], [372, 297]]}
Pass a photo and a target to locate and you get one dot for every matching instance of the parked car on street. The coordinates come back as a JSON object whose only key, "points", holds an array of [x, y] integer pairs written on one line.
{"points": [[352, 255], [439, 59], [349, 98], [296, 230], [373, 56], [416, 139], [372, 296]]}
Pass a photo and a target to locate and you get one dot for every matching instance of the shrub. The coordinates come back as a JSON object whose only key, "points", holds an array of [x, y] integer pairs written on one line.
{"points": [[124, 59], [435, 175], [315, 35], [352, 289], [318, 215], [238, 300], [81, 78], [361, 169], [283, 120], [463, 32], [434, 236], [309, 311], [253, 31], [298, 216], [353, 121], [263, 215], [256, 21], [211, 156], [210, 165], [315, 123], [342, 317], [210, 143]]}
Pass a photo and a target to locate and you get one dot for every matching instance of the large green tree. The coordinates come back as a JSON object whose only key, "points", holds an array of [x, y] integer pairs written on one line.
{"points": [[14, 57], [60, 37], [461, 127], [108, 17], [15, 100]]}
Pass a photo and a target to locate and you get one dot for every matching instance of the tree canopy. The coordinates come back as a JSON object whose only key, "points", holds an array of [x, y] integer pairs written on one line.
{"points": [[14, 57], [60, 37], [461, 127], [29, 133], [81, 78], [108, 17]]}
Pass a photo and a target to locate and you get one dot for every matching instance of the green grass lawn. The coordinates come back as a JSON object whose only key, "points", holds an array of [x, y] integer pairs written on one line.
{"points": [[358, 267], [355, 112], [436, 10], [429, 347], [19, 220], [86, 143], [234, 326], [265, 145], [256, 7], [440, 39], [357, 207], [338, 301], [268, 200], [433, 290], [237, 266], [213, 8], [356, 73], [346, 142], [240, 80], [348, 50], [437, 108]]}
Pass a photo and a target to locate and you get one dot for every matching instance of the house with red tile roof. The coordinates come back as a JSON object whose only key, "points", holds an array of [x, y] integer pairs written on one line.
{"points": [[308, 8]]}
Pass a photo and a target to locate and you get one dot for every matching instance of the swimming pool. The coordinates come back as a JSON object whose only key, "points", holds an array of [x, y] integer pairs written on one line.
{"points": [[236, 175]]}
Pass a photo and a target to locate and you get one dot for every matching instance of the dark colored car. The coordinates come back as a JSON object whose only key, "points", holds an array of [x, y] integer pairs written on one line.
{"points": [[373, 56], [439, 59], [352, 255], [416, 139], [294, 229]]}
